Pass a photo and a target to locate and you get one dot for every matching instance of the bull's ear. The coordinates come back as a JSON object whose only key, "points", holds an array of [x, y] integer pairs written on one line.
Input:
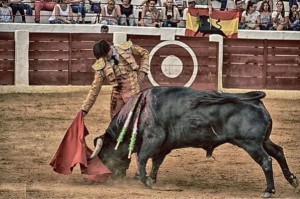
{"points": [[110, 135], [108, 138]]}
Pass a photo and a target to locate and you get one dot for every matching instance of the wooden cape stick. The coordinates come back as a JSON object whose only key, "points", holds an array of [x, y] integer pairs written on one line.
{"points": [[210, 22], [134, 131]]}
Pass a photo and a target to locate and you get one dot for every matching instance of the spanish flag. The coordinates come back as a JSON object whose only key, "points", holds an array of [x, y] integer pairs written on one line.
{"points": [[200, 24]]}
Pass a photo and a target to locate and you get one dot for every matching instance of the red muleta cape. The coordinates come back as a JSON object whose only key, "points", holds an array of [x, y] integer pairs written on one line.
{"points": [[73, 150]]}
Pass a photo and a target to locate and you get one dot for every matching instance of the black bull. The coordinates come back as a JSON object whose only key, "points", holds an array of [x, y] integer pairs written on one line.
{"points": [[178, 117]]}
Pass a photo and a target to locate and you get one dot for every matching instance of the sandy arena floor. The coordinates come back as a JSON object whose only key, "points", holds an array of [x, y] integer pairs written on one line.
{"points": [[33, 125]]}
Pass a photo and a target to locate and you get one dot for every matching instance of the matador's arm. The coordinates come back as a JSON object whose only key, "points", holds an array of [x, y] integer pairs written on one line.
{"points": [[95, 89], [144, 54]]}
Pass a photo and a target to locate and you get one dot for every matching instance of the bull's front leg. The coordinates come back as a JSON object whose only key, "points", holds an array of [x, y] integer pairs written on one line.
{"points": [[156, 162], [151, 143], [142, 162]]}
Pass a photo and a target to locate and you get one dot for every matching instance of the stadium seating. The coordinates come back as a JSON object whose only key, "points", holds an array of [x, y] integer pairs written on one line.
{"points": [[92, 17]]}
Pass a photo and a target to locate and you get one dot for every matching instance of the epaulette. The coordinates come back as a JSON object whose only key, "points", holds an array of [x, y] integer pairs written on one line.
{"points": [[125, 45], [99, 64]]}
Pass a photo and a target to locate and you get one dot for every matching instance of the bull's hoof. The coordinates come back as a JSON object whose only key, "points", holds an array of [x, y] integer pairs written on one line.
{"points": [[294, 181], [149, 182], [268, 194], [154, 180], [136, 176]]}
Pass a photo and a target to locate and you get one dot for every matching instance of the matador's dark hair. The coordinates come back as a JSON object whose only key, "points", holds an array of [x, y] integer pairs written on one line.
{"points": [[101, 49]]}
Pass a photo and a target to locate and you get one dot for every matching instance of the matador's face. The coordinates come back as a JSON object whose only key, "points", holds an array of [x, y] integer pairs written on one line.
{"points": [[109, 54]]}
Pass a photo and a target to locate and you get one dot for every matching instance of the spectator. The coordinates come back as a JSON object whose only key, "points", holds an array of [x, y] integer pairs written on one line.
{"points": [[280, 18], [95, 6], [18, 5], [270, 4], [158, 3], [223, 5], [251, 17], [240, 9], [292, 2], [78, 7], [104, 29], [127, 18], [5, 12], [28, 10], [191, 4], [180, 4], [42, 5], [170, 15], [265, 16], [110, 13], [62, 13], [205, 3], [294, 17], [150, 14]]}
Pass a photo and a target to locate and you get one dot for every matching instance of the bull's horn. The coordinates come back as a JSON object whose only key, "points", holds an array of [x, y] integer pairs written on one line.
{"points": [[97, 148]]}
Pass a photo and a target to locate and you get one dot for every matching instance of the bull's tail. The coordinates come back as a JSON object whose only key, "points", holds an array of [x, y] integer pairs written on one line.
{"points": [[210, 98], [251, 96]]}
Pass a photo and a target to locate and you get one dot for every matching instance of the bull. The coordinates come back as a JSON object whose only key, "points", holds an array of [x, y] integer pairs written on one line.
{"points": [[178, 117]]}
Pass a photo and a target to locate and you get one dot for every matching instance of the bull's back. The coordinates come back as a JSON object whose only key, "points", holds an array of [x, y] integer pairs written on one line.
{"points": [[170, 102]]}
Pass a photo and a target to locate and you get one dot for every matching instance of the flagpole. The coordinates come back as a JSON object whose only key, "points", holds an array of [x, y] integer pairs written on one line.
{"points": [[210, 13], [209, 21]]}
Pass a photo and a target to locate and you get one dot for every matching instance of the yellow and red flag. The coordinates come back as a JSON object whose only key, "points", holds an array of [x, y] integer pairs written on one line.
{"points": [[200, 24]]}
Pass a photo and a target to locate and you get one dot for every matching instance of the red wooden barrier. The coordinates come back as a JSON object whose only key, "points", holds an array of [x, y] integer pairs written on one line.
{"points": [[82, 57], [62, 58], [207, 57], [283, 65], [261, 64], [7, 58], [48, 58]]}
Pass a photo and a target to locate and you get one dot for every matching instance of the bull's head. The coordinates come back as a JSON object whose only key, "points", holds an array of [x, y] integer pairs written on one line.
{"points": [[116, 160]]}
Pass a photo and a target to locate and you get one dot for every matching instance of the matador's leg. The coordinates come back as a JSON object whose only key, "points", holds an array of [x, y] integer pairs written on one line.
{"points": [[116, 104]]}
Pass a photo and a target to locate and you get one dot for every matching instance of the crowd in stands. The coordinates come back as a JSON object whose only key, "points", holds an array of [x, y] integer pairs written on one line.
{"points": [[253, 14], [263, 18]]}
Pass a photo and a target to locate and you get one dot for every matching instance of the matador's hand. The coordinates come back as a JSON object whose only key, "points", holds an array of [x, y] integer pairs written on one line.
{"points": [[84, 113]]}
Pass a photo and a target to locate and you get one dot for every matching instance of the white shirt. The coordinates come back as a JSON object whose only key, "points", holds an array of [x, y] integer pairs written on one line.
{"points": [[176, 14], [280, 18], [63, 13], [250, 18], [5, 14]]}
